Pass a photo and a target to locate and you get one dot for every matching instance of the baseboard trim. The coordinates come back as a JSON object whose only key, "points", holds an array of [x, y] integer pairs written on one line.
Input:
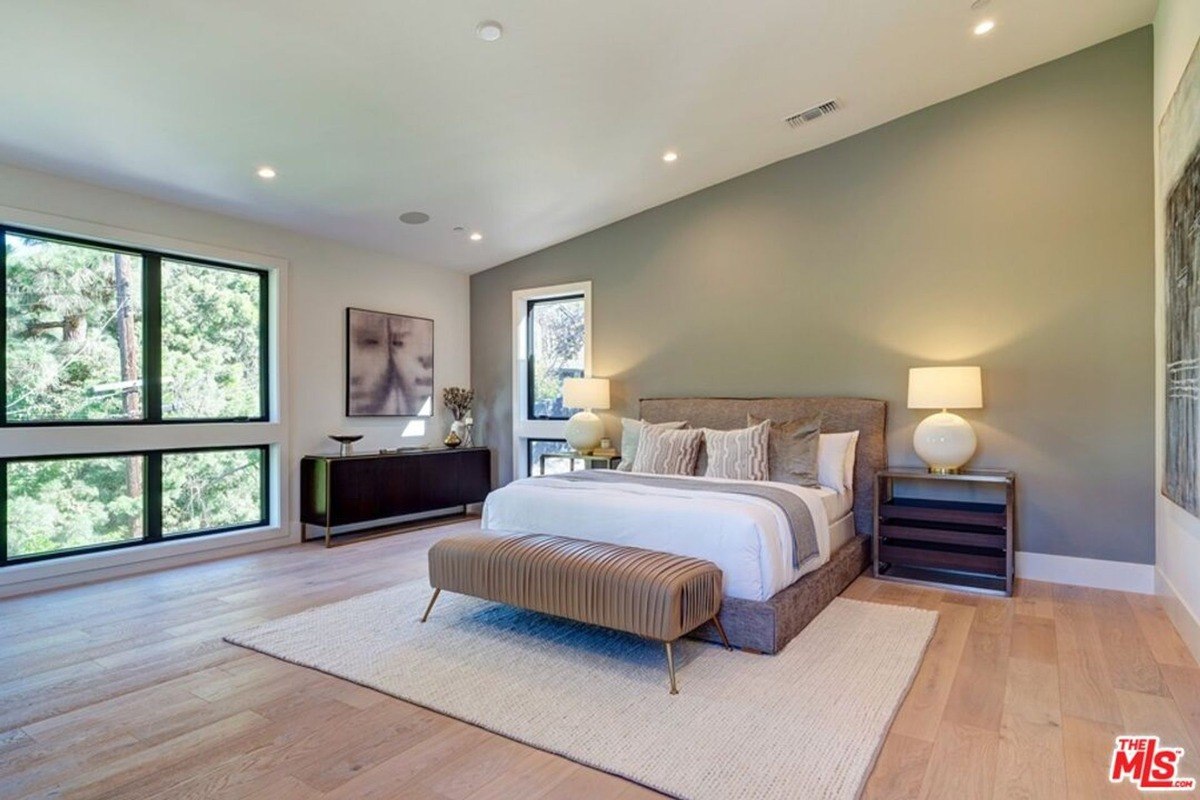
{"points": [[1183, 617], [1097, 573]]}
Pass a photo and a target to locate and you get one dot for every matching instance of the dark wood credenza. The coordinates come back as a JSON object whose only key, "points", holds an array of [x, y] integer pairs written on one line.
{"points": [[347, 490]]}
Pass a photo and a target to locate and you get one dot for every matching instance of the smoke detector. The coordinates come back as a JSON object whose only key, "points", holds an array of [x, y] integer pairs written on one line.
{"points": [[810, 114]]}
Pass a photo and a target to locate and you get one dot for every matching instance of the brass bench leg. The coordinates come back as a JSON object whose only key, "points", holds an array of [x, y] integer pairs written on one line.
{"points": [[429, 607], [721, 630], [671, 667]]}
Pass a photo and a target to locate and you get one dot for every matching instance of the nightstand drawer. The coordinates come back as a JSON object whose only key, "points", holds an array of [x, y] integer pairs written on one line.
{"points": [[975, 537], [991, 562], [992, 515]]}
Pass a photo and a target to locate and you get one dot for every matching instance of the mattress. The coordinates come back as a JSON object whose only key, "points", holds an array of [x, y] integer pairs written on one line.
{"points": [[747, 537]]}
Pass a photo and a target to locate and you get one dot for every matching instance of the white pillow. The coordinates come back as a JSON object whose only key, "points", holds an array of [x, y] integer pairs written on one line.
{"points": [[835, 460], [738, 455], [631, 434]]}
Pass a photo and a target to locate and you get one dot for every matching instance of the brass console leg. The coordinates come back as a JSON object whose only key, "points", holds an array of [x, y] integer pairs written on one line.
{"points": [[327, 537], [429, 608], [671, 667], [721, 630]]}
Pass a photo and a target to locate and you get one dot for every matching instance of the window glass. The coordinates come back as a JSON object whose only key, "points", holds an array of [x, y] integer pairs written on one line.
{"points": [[73, 318], [72, 503], [211, 342], [554, 466], [211, 489], [556, 333]]}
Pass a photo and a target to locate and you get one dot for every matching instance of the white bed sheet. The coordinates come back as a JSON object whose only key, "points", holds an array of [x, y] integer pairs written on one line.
{"points": [[747, 537]]}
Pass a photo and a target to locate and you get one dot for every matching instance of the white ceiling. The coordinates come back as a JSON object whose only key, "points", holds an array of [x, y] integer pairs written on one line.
{"points": [[370, 108]]}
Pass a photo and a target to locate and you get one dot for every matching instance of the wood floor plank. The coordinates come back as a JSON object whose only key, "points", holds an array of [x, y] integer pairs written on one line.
{"points": [[1184, 683], [962, 764], [977, 694], [1084, 682], [1126, 652], [900, 768], [920, 714], [1088, 746], [1030, 762], [1034, 639]]}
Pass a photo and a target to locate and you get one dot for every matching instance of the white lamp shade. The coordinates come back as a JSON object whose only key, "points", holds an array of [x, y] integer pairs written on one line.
{"points": [[586, 393], [945, 387]]}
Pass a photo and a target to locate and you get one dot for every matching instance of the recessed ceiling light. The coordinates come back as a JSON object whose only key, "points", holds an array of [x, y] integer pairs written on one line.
{"points": [[414, 217], [489, 30], [984, 27], [266, 173], [476, 236], [670, 156]]}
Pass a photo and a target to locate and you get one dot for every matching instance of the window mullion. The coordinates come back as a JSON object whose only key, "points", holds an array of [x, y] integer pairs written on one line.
{"points": [[154, 496], [152, 335]]}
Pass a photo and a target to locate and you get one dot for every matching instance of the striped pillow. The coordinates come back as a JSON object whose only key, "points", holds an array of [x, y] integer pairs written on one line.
{"points": [[666, 452], [739, 455]]}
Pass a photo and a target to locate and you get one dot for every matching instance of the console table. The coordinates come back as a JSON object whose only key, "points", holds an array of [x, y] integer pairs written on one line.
{"points": [[345, 490]]}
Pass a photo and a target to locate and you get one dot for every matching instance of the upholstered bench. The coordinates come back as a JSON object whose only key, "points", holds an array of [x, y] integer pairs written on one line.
{"points": [[656, 595]]}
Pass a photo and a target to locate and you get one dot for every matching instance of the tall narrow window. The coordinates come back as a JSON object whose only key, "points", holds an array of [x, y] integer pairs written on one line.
{"points": [[557, 333], [73, 325]]}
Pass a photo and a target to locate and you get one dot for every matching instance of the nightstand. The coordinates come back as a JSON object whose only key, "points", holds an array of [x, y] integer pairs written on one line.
{"points": [[953, 531], [588, 461]]}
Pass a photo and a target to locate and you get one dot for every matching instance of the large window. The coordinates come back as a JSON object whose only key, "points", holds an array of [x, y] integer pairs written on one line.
{"points": [[101, 335], [556, 351], [66, 504], [108, 336]]}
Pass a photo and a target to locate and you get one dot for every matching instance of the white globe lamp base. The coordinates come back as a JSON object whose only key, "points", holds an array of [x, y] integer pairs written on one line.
{"points": [[944, 441], [584, 432]]}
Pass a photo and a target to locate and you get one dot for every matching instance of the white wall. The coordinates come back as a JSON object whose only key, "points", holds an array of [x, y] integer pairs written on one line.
{"points": [[1177, 533], [323, 278]]}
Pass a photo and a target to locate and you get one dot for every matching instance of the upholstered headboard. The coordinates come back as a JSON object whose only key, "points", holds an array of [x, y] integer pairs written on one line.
{"points": [[838, 414]]}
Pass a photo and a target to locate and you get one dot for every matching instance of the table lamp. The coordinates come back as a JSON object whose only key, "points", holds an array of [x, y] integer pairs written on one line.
{"points": [[943, 440], [584, 430]]}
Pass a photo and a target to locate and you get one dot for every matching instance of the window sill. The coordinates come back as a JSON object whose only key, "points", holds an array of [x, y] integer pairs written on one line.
{"points": [[35, 576]]}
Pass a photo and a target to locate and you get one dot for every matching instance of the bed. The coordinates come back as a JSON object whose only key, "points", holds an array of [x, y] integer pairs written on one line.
{"points": [[770, 593]]}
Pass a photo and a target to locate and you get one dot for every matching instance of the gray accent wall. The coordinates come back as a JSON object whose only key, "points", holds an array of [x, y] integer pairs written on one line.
{"points": [[1011, 227]]}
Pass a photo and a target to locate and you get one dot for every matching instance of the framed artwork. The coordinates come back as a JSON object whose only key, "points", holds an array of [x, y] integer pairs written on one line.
{"points": [[1179, 164], [389, 365]]}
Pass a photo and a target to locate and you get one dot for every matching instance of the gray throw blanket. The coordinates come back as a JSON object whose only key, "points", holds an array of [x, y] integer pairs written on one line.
{"points": [[804, 535]]}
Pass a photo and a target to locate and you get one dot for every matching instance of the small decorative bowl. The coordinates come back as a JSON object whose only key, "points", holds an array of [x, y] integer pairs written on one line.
{"points": [[346, 440]]}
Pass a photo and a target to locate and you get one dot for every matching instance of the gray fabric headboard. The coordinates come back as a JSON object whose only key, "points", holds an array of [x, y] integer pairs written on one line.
{"points": [[838, 414]]}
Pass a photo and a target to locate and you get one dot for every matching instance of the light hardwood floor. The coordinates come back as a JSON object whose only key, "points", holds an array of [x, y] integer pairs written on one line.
{"points": [[124, 689]]}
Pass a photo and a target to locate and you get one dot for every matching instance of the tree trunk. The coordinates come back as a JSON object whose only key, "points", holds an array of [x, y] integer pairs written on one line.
{"points": [[127, 344]]}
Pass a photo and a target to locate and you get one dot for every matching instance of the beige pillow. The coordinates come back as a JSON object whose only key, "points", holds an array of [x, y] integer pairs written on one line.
{"points": [[631, 435], [738, 455], [668, 452], [792, 449]]}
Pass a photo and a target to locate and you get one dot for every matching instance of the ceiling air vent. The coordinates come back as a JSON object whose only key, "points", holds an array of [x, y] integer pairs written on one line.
{"points": [[810, 114]]}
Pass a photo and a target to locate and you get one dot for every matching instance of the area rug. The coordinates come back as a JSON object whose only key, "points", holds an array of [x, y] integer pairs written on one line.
{"points": [[806, 723]]}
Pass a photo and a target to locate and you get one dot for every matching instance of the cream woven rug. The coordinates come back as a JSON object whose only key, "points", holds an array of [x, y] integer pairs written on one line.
{"points": [[806, 723]]}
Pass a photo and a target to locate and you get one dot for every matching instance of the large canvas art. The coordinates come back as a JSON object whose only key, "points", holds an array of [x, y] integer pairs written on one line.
{"points": [[389, 365], [1179, 158]]}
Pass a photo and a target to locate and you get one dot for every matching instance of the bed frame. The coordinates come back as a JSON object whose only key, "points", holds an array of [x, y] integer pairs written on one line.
{"points": [[765, 626]]}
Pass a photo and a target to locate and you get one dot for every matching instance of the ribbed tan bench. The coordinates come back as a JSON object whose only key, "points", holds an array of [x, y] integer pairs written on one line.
{"points": [[656, 595]]}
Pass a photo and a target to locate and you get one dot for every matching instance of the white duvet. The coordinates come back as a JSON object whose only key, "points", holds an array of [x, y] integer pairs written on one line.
{"points": [[747, 537]]}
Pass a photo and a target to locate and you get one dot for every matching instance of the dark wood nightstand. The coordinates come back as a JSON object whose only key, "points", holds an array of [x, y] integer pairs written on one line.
{"points": [[926, 535]]}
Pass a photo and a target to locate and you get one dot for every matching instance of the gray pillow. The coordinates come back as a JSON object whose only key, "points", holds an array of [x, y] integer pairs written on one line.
{"points": [[631, 435], [792, 449]]}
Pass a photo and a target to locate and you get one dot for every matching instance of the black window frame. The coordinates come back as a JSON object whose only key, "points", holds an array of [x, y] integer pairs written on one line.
{"points": [[529, 450], [531, 351], [152, 303], [152, 524]]}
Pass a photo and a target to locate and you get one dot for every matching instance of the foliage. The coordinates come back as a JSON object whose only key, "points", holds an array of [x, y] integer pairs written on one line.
{"points": [[73, 352], [458, 400], [558, 337]]}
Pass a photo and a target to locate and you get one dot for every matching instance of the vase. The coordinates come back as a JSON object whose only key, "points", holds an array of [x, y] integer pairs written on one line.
{"points": [[458, 432]]}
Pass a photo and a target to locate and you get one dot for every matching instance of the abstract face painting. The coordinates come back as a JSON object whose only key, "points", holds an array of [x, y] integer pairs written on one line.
{"points": [[389, 365]]}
